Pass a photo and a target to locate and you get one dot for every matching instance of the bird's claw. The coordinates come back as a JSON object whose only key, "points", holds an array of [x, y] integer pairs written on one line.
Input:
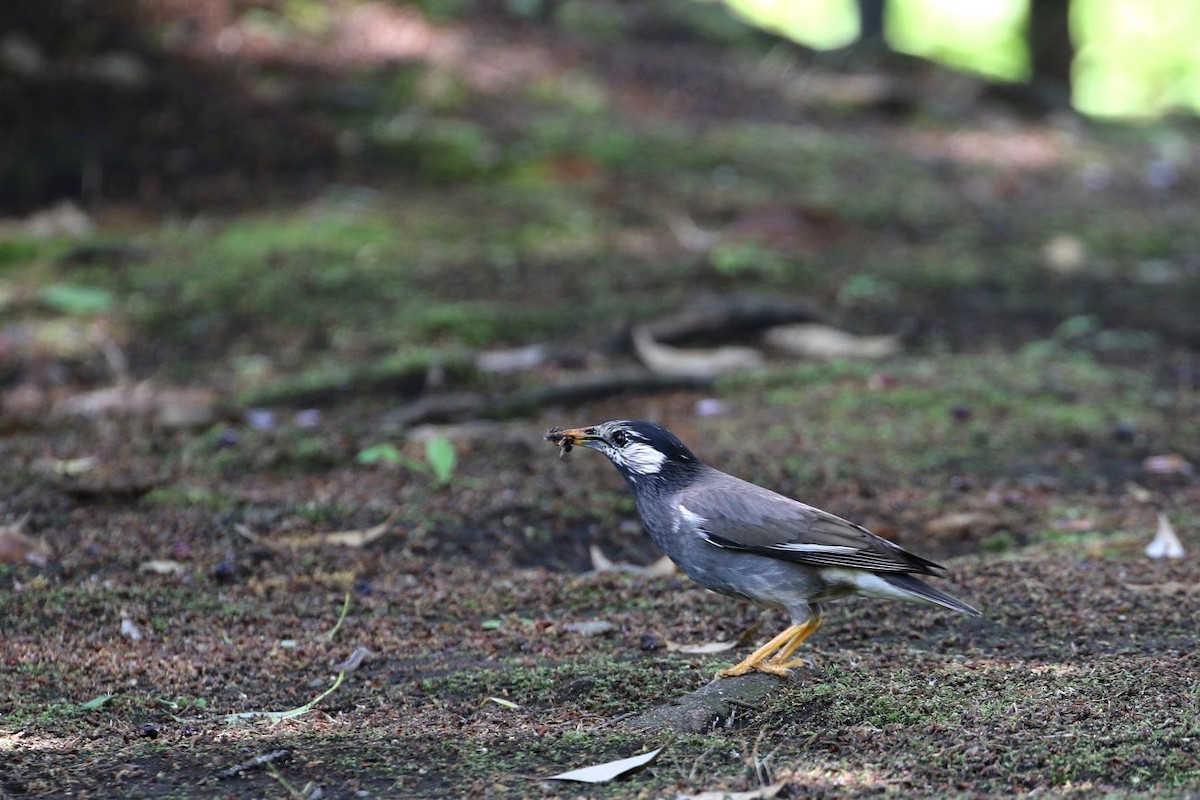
{"points": [[779, 670]]}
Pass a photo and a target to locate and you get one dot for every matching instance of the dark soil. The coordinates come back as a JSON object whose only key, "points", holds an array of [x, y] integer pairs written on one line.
{"points": [[1040, 418]]}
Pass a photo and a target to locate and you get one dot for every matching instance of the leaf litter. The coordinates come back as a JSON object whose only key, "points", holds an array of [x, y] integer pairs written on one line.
{"points": [[1166, 542], [609, 771]]}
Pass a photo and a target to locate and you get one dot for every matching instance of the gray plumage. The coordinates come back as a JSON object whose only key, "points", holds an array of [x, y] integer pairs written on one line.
{"points": [[740, 539]]}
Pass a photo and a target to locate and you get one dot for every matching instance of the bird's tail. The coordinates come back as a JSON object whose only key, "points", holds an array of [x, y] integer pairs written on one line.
{"points": [[923, 591]]}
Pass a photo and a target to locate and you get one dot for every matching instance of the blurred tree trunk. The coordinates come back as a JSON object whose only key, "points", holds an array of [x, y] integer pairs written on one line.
{"points": [[870, 21], [1050, 47]]}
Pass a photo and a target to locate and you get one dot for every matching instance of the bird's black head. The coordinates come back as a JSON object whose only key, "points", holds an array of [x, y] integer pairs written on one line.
{"points": [[640, 450]]}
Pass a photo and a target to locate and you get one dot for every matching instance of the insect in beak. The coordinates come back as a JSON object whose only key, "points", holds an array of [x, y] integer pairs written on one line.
{"points": [[565, 441]]}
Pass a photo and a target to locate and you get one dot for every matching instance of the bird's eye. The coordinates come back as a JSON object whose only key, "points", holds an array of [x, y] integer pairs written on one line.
{"points": [[620, 439]]}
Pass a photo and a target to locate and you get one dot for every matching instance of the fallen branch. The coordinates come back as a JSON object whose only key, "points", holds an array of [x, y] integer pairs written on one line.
{"points": [[722, 319], [447, 408], [708, 708]]}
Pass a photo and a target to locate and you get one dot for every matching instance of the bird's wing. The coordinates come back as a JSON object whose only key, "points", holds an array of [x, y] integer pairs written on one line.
{"points": [[738, 515]]}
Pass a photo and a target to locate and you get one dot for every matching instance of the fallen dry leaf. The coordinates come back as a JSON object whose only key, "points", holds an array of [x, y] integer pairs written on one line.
{"points": [[73, 466], [519, 359], [166, 406], [354, 661], [500, 701], [351, 538], [696, 362], [130, 630], [1166, 543], [787, 226], [662, 568], [18, 547], [603, 773], [1140, 494], [691, 236], [761, 793], [700, 649], [162, 566], [1166, 587], [1064, 254], [822, 342], [1167, 464], [591, 627], [962, 522], [1076, 525]]}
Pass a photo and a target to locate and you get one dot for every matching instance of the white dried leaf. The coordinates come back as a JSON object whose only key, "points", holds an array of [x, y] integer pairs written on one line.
{"points": [[500, 701], [603, 773], [1167, 464], [1166, 543], [600, 562], [162, 566], [662, 568], [825, 343], [517, 359], [761, 793], [355, 660], [1064, 254], [352, 538], [16, 546], [591, 627], [695, 362], [168, 406], [700, 649], [130, 629], [73, 466]]}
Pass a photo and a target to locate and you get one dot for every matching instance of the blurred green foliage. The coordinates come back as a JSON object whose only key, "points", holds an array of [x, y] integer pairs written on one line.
{"points": [[1135, 57]]}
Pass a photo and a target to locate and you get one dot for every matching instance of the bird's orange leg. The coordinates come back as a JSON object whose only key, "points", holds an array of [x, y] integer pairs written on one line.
{"points": [[755, 660], [780, 659]]}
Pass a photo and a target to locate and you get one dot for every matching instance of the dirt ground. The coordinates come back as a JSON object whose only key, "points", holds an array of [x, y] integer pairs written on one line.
{"points": [[211, 589]]}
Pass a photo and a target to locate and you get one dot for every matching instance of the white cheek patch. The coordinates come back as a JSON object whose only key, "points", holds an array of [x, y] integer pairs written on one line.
{"points": [[641, 458]]}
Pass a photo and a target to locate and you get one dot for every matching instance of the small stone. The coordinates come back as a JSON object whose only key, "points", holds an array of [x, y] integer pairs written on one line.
{"points": [[262, 419], [307, 418], [650, 642], [580, 687], [1124, 432], [225, 571], [591, 627], [149, 731]]}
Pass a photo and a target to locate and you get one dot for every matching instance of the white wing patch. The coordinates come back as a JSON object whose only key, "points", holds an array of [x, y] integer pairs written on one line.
{"points": [[696, 522], [807, 547]]}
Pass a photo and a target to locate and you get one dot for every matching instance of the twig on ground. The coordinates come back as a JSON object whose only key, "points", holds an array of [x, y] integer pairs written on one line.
{"points": [[341, 618]]}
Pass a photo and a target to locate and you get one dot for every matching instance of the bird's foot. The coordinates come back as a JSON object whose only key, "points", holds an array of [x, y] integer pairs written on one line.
{"points": [[744, 668]]}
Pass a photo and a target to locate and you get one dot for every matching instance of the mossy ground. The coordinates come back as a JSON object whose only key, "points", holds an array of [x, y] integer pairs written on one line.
{"points": [[1027, 400]]}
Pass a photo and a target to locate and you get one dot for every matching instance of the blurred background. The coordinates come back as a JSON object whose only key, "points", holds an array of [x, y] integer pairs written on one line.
{"points": [[290, 291]]}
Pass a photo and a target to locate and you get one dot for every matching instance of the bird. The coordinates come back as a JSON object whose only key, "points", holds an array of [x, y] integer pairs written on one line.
{"points": [[745, 541]]}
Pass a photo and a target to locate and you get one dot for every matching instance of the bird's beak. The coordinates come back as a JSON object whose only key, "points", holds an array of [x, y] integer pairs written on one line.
{"points": [[566, 438]]}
